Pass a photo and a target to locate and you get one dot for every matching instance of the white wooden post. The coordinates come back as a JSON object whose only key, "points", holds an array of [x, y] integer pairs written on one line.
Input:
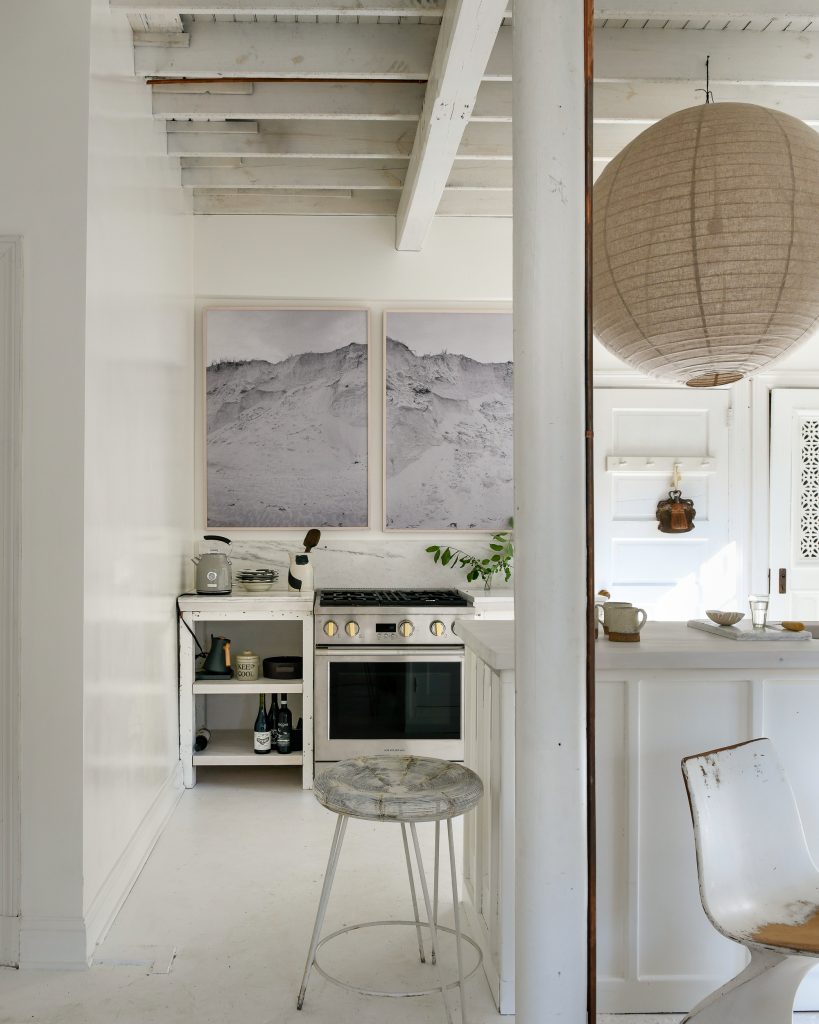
{"points": [[550, 602]]}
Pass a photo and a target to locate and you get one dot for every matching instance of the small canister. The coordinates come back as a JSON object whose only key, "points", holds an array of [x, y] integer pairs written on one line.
{"points": [[247, 666]]}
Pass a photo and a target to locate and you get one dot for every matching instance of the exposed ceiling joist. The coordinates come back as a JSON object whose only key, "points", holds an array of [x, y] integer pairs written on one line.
{"points": [[289, 8], [314, 139], [358, 175], [339, 203], [273, 50], [675, 9], [306, 100], [469, 30], [279, 101], [336, 140], [783, 58], [645, 102]]}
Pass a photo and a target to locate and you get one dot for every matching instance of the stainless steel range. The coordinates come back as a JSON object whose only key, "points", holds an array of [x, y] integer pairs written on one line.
{"points": [[389, 673]]}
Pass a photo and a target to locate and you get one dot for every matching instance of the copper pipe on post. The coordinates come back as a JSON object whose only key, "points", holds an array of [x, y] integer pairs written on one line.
{"points": [[591, 999]]}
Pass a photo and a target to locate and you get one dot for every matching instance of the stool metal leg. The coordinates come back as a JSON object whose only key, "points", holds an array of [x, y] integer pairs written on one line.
{"points": [[433, 927], [332, 863], [458, 943], [414, 897], [435, 882]]}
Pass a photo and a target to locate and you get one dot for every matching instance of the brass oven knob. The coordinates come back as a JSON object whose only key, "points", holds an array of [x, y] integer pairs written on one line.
{"points": [[405, 628], [330, 628], [437, 628], [352, 629]]}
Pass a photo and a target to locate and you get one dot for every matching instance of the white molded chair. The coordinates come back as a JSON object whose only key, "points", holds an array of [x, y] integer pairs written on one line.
{"points": [[758, 883]]}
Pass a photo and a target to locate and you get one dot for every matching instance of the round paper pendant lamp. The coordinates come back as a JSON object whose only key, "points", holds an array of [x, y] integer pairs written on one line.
{"points": [[706, 244]]}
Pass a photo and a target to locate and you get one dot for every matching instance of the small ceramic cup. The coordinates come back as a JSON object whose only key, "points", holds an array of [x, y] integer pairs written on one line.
{"points": [[605, 610], [247, 666], [625, 624]]}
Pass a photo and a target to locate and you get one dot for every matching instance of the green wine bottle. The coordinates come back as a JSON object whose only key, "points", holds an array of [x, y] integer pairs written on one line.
{"points": [[273, 720], [284, 726], [261, 733]]}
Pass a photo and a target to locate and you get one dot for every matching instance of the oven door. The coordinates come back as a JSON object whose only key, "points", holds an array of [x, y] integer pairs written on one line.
{"points": [[389, 701]]}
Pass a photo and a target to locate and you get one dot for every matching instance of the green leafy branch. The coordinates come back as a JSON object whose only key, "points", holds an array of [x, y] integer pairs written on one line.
{"points": [[499, 561]]}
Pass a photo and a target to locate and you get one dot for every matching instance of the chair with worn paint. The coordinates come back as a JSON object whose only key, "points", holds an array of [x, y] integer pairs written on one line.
{"points": [[405, 790], [758, 883]]}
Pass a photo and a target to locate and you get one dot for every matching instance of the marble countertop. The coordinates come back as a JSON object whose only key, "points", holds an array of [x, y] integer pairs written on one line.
{"points": [[241, 600], [663, 645]]}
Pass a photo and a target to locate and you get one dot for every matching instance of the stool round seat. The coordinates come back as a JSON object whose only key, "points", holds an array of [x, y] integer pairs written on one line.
{"points": [[395, 787]]}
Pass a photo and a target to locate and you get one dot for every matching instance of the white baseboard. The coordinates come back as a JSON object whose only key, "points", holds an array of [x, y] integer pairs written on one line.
{"points": [[112, 894], [9, 941], [53, 944]]}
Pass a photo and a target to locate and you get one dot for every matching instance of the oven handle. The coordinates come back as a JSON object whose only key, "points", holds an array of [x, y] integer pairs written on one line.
{"points": [[405, 653]]}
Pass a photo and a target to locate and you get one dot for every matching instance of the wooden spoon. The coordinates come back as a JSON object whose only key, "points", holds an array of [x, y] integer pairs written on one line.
{"points": [[312, 538]]}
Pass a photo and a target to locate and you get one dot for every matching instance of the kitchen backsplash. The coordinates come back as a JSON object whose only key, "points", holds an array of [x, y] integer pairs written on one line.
{"points": [[341, 561]]}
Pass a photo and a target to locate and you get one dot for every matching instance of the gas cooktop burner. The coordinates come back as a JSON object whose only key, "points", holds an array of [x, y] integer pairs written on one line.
{"points": [[403, 598]]}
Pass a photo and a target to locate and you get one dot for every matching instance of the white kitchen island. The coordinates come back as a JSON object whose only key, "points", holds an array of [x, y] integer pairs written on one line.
{"points": [[678, 692]]}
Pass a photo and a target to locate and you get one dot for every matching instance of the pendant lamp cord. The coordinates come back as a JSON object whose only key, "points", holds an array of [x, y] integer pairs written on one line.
{"points": [[709, 96]]}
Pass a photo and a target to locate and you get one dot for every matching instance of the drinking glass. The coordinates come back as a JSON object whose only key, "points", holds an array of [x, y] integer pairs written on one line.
{"points": [[759, 610]]}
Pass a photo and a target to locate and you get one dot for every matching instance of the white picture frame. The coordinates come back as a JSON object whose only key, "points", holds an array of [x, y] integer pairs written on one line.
{"points": [[285, 444], [447, 462]]}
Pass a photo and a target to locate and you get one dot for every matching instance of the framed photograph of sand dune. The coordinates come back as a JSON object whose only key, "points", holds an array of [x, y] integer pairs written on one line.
{"points": [[448, 420], [286, 401]]}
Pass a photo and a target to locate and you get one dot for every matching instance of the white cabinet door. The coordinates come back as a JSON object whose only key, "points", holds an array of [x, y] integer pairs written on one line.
{"points": [[638, 435], [795, 503]]}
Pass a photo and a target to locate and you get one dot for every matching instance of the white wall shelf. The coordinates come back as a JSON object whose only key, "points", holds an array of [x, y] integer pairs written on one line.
{"points": [[662, 465], [260, 685], [232, 746]]}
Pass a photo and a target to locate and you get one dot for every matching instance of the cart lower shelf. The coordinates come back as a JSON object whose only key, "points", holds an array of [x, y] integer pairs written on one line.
{"points": [[235, 747]]}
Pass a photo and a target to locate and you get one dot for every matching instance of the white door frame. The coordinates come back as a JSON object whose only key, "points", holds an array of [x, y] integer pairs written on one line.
{"points": [[11, 346]]}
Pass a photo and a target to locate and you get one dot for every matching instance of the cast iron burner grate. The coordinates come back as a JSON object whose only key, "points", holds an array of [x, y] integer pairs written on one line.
{"points": [[404, 598]]}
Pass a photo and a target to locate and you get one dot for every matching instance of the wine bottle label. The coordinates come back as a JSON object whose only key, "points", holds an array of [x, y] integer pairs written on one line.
{"points": [[261, 742]]}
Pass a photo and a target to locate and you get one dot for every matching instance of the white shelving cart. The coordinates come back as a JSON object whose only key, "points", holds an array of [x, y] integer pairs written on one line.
{"points": [[247, 615]]}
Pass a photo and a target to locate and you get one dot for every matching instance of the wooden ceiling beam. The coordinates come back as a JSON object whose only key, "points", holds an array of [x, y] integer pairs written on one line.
{"points": [[676, 9], [279, 101], [258, 50], [359, 175], [737, 58], [456, 203], [309, 100], [645, 102], [288, 8], [372, 140], [469, 31]]}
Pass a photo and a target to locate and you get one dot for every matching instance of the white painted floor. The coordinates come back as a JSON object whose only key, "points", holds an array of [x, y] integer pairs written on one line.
{"points": [[233, 885]]}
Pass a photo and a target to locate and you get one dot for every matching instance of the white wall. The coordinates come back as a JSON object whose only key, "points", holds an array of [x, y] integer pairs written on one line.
{"points": [[138, 469], [352, 261], [44, 57]]}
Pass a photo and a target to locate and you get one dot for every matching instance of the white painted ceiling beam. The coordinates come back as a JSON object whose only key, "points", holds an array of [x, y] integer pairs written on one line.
{"points": [[326, 101], [676, 9], [469, 30], [646, 102], [278, 101], [332, 140], [318, 50], [783, 58], [457, 203], [313, 139], [404, 52], [336, 174], [274, 50], [288, 8]]}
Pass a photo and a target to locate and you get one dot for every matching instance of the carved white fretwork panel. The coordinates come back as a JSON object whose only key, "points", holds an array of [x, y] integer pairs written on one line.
{"points": [[809, 489]]}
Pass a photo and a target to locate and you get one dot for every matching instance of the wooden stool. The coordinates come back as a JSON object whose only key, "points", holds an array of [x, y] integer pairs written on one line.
{"points": [[406, 790], [758, 883]]}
